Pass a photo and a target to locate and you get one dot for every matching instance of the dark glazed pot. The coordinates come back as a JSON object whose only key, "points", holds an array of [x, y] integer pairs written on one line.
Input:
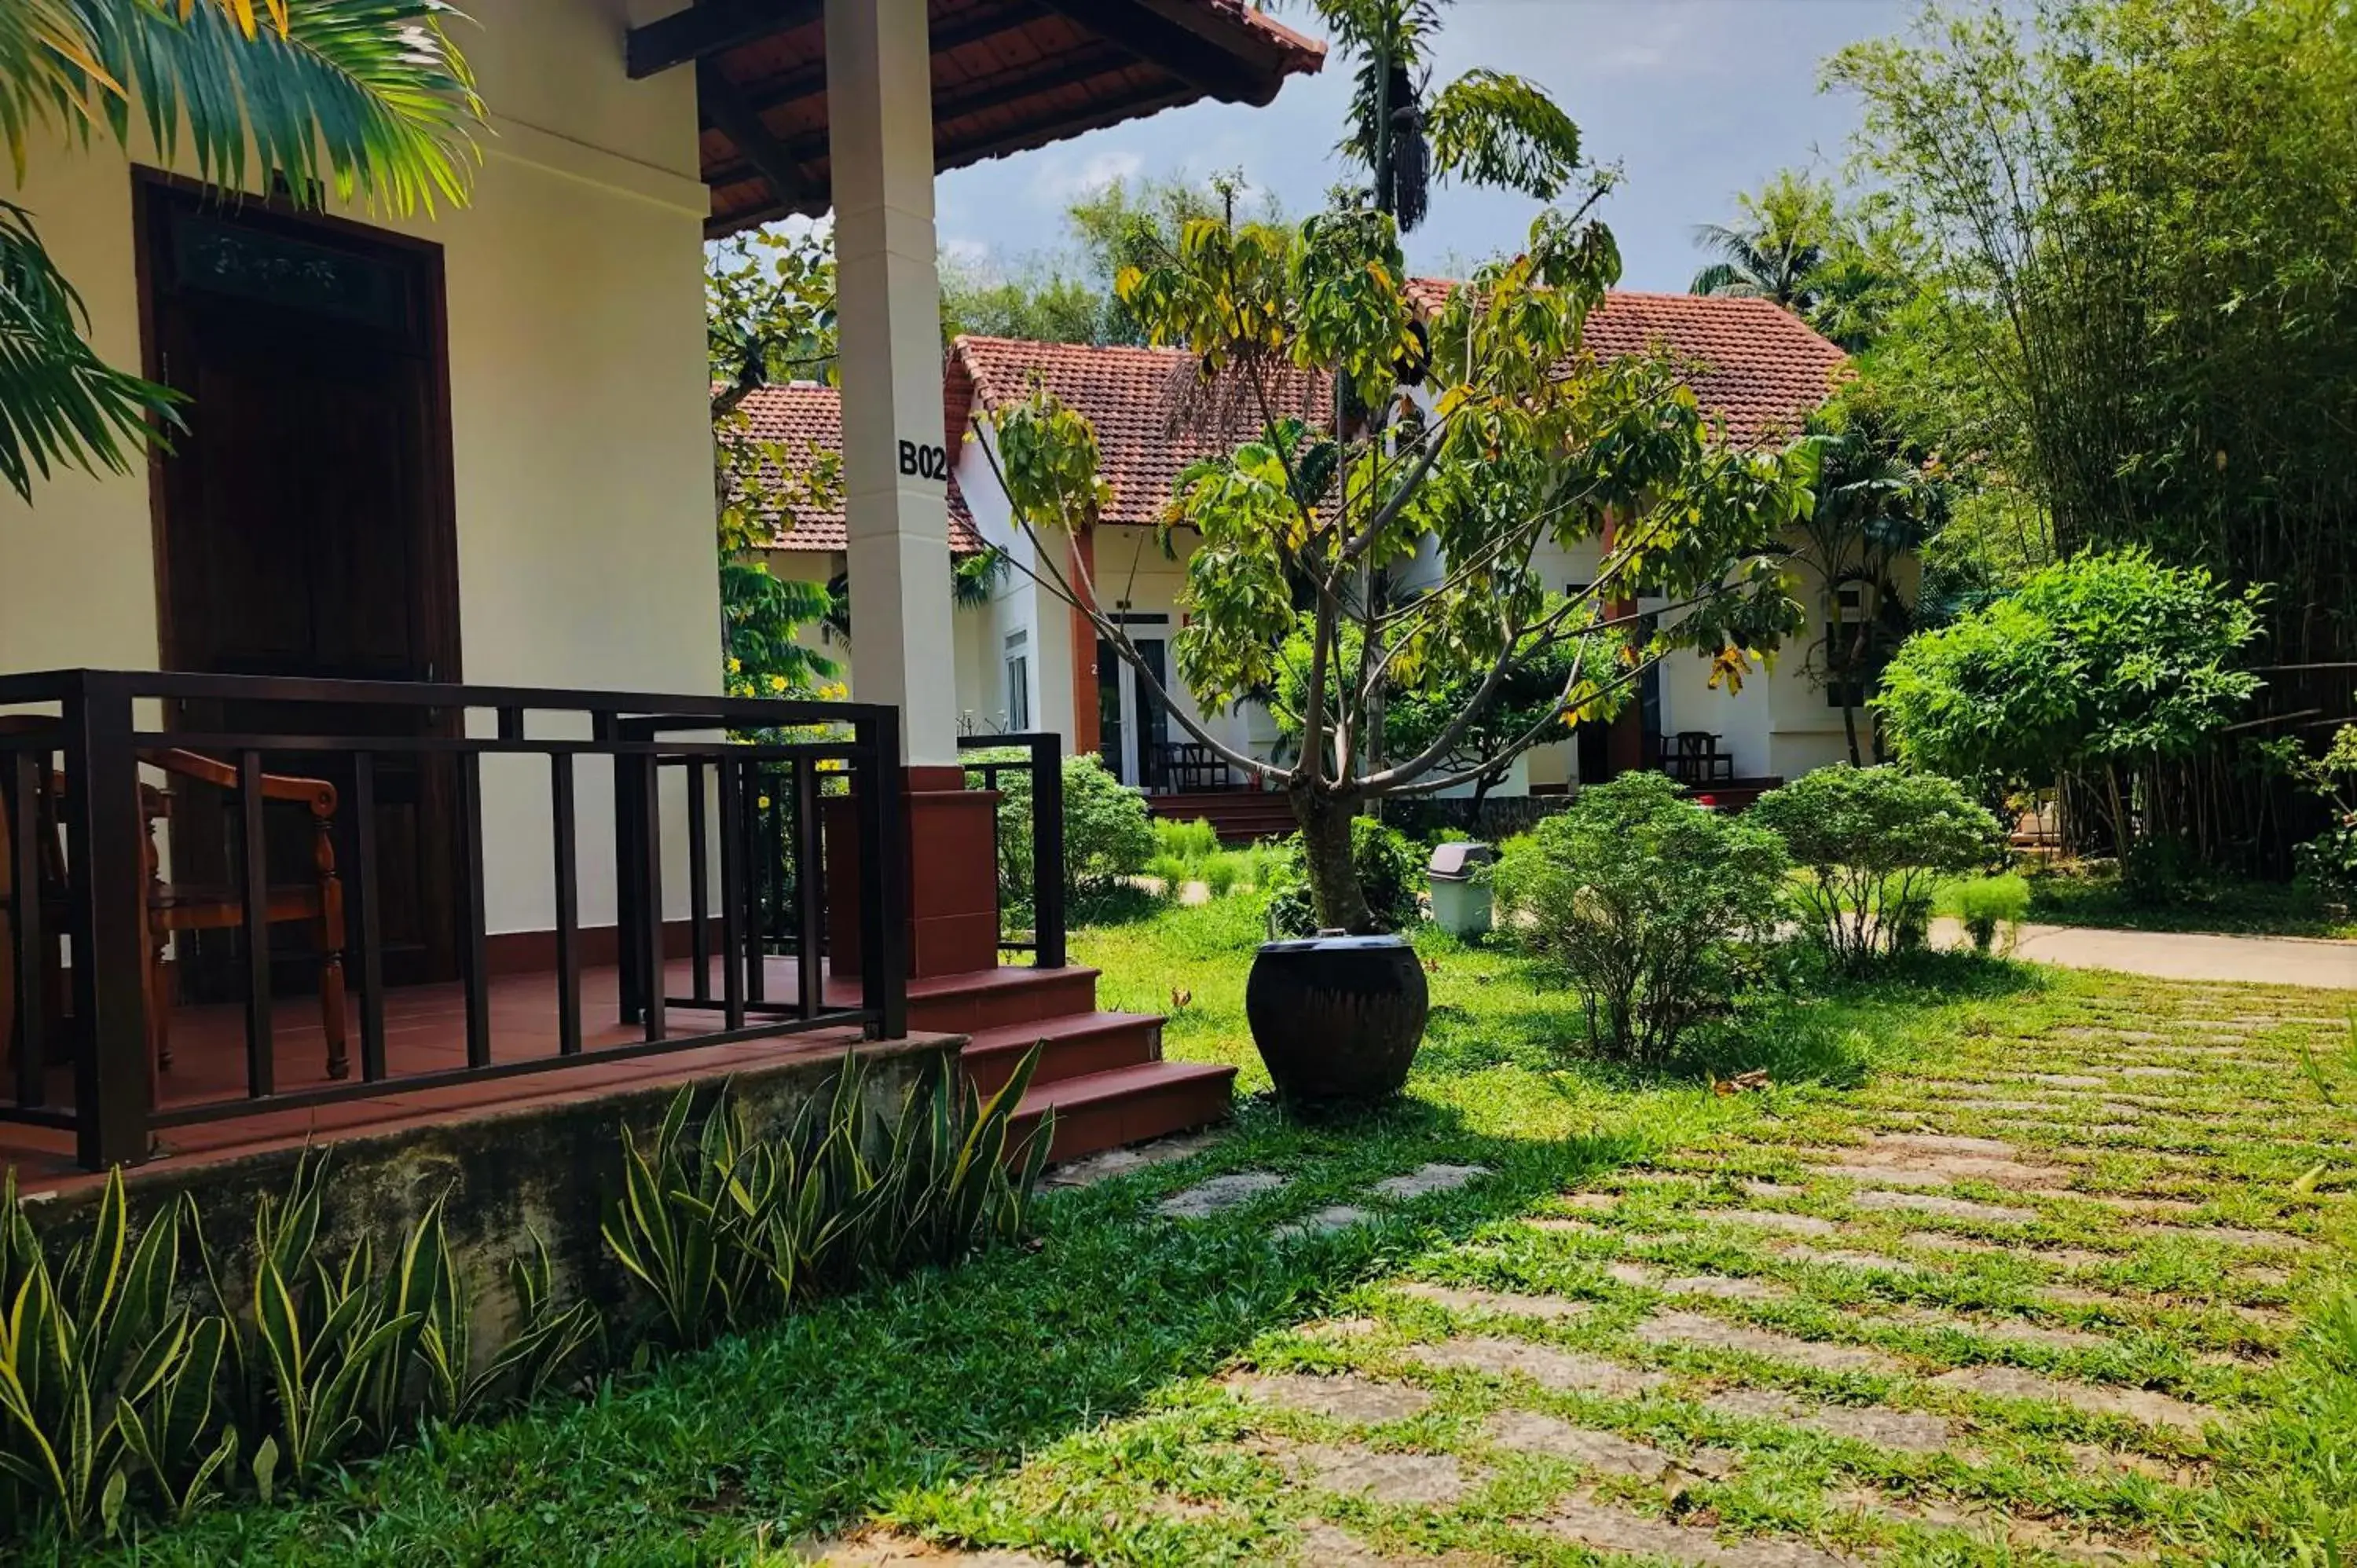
{"points": [[1337, 1018]]}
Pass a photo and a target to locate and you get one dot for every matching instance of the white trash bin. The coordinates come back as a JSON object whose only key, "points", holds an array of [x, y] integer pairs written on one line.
{"points": [[1461, 899]]}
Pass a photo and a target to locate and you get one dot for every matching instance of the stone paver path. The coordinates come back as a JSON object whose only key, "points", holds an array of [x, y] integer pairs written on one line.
{"points": [[2181, 955], [1939, 1319]]}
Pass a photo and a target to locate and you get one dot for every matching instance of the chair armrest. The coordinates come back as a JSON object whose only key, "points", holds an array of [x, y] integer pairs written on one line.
{"points": [[316, 793]]}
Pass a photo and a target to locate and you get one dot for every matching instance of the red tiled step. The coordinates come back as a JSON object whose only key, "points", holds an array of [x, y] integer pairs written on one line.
{"points": [[1075, 1047], [995, 998], [1238, 816], [1128, 1106]]}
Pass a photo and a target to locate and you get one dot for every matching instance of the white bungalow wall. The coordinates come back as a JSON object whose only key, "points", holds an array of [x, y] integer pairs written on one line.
{"points": [[581, 451]]}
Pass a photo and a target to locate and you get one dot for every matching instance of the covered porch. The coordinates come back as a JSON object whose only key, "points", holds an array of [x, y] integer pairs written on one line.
{"points": [[296, 881]]}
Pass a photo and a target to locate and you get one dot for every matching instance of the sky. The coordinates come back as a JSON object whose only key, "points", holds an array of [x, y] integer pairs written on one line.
{"points": [[1695, 100]]}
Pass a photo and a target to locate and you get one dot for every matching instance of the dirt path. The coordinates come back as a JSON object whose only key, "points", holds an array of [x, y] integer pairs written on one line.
{"points": [[2175, 955], [2027, 1305]]}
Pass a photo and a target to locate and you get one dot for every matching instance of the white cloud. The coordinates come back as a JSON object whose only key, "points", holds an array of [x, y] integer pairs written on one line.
{"points": [[1061, 179]]}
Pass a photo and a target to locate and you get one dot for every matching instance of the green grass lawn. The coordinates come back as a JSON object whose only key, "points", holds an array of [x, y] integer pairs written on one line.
{"points": [[2238, 908], [1063, 1399]]}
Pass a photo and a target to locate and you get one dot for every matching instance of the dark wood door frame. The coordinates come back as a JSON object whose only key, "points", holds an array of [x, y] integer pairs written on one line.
{"points": [[390, 312], [153, 192]]}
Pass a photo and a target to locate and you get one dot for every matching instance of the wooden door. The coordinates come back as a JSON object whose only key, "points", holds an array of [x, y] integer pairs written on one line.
{"points": [[304, 526]]}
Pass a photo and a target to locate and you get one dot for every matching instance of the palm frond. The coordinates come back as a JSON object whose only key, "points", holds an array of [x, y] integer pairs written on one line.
{"points": [[1496, 129], [368, 98], [60, 402]]}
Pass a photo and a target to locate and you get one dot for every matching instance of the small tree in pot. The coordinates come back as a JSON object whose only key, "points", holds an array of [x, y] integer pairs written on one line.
{"points": [[1476, 430]]}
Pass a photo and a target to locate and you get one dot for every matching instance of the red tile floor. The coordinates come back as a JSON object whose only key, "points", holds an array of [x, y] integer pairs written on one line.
{"points": [[425, 1033]]}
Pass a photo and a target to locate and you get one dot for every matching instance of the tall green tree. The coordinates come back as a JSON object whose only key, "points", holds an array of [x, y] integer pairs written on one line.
{"points": [[1485, 127], [1517, 440], [1777, 246], [2136, 220], [1877, 505], [363, 99]]}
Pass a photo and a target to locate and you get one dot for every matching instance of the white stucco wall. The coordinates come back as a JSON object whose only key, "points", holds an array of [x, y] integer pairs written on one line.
{"points": [[580, 448]]}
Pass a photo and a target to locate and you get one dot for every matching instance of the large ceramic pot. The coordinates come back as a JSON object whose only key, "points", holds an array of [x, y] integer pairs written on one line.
{"points": [[1337, 1018]]}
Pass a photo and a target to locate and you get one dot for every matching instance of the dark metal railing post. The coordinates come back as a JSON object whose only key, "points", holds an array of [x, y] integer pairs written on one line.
{"points": [[810, 888], [1047, 851], [474, 941], [629, 814], [699, 887], [884, 874], [730, 783], [253, 881], [107, 871], [26, 792], [565, 817], [760, 880], [367, 909], [649, 844]]}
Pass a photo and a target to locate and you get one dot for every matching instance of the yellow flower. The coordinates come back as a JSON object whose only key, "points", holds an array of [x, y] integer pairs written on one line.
{"points": [[777, 682]]}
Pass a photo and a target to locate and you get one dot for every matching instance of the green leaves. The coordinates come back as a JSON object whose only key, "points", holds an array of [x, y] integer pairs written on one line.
{"points": [[365, 98], [100, 1370], [1491, 129], [1642, 897], [733, 1226], [1875, 841], [60, 402]]}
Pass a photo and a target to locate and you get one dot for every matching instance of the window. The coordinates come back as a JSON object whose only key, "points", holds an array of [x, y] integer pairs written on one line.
{"points": [[1019, 680]]}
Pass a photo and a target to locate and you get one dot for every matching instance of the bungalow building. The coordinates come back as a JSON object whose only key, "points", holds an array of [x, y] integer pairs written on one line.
{"points": [[1026, 660], [363, 756]]}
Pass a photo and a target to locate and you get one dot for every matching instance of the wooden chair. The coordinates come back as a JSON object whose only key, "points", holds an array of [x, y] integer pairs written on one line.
{"points": [[178, 906]]}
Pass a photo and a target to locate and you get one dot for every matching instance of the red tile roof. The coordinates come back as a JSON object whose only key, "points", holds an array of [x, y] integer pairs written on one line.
{"points": [[1754, 366], [1152, 413], [806, 417]]}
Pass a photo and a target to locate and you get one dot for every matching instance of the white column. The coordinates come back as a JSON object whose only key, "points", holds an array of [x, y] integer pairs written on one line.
{"points": [[880, 122]]}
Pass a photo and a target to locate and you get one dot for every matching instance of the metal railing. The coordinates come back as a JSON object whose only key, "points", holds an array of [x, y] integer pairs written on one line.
{"points": [[1039, 876], [79, 896]]}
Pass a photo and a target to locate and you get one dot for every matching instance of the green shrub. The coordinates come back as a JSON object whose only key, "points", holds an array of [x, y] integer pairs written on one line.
{"points": [[1172, 872], [1193, 841], [117, 1392], [1222, 873], [1989, 904], [1109, 835], [1390, 871], [1875, 841], [1645, 900], [728, 1228]]}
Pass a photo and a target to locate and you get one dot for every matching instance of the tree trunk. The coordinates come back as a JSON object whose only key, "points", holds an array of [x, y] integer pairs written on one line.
{"points": [[1334, 889], [1849, 728]]}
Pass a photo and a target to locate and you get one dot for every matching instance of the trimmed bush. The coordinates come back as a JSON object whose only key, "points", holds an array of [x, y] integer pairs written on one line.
{"points": [[1875, 841], [1645, 900], [1108, 832]]}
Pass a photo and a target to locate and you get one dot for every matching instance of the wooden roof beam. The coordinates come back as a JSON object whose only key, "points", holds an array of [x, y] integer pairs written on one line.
{"points": [[995, 93], [725, 106], [1153, 32], [707, 27]]}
